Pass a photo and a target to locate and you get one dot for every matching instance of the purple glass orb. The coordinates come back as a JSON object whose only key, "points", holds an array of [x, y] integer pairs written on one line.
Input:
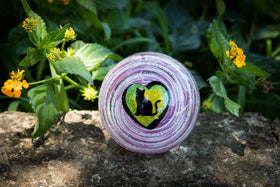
{"points": [[149, 103]]}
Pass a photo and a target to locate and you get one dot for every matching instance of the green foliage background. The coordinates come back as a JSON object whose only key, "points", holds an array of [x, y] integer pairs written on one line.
{"points": [[179, 28]]}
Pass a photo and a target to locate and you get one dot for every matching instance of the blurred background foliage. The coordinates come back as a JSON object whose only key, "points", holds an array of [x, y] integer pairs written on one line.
{"points": [[176, 27]]}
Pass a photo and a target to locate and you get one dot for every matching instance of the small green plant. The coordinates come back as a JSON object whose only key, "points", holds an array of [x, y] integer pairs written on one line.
{"points": [[234, 70], [74, 66]]}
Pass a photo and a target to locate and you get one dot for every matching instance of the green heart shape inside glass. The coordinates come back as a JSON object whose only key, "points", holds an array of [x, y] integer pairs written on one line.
{"points": [[146, 105]]}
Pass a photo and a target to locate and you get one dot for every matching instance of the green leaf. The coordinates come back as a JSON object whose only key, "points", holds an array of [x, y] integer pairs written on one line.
{"points": [[41, 30], [220, 90], [60, 92], [13, 106], [244, 78], [92, 55], [89, 4], [103, 70], [184, 32], [177, 16], [198, 79], [90, 16], [26, 7], [107, 30], [216, 103], [18, 41], [53, 38], [32, 57], [218, 86], [73, 66], [43, 102], [232, 106], [78, 44], [116, 19], [249, 67], [270, 31], [156, 9], [184, 42], [218, 39], [222, 76], [266, 63], [221, 6]]}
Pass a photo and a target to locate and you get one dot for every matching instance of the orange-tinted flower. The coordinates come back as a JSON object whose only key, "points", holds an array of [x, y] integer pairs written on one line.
{"points": [[65, 2], [7, 92], [236, 55], [18, 76], [12, 87], [25, 84]]}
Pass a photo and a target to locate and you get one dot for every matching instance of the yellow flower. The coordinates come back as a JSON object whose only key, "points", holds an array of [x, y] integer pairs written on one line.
{"points": [[30, 24], [70, 35], [236, 55], [206, 105], [54, 55], [89, 93], [70, 52], [12, 87]]}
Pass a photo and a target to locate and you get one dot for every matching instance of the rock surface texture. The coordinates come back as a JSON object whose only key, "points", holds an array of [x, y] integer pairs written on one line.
{"points": [[222, 150]]}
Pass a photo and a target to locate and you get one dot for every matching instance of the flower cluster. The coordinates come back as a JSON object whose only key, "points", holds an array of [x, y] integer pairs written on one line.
{"points": [[89, 93], [30, 24], [12, 87], [70, 35], [65, 2], [54, 55], [236, 55]]}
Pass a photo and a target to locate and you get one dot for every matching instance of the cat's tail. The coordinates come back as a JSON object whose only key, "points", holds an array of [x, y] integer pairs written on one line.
{"points": [[156, 103]]}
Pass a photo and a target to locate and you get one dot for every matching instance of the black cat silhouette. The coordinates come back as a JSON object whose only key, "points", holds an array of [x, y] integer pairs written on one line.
{"points": [[144, 106]]}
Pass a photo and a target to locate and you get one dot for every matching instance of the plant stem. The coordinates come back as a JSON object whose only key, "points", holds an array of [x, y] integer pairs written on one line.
{"points": [[42, 81], [221, 66], [47, 80], [276, 51], [62, 76], [241, 97], [268, 47], [72, 82], [63, 45], [33, 38]]}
